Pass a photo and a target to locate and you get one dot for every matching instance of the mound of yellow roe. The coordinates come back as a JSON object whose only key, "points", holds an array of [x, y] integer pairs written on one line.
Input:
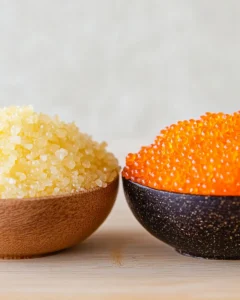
{"points": [[40, 156], [195, 156]]}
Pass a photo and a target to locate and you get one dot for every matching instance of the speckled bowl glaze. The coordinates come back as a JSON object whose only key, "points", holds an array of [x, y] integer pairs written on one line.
{"points": [[200, 226]]}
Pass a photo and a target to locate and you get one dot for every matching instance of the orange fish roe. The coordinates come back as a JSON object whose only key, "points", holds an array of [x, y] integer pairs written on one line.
{"points": [[196, 156]]}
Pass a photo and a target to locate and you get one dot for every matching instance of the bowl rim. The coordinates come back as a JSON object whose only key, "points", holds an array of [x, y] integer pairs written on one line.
{"points": [[181, 194], [59, 196]]}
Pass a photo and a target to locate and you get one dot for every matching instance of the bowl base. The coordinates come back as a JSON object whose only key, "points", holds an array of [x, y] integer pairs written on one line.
{"points": [[207, 257], [19, 257], [31, 256]]}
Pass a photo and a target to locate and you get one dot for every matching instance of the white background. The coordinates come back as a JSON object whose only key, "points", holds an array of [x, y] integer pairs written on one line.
{"points": [[121, 69]]}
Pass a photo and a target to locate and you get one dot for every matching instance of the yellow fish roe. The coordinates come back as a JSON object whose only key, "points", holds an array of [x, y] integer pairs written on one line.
{"points": [[193, 156], [41, 156]]}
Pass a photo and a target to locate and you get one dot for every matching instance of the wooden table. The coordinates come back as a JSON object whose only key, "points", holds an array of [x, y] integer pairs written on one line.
{"points": [[120, 261]]}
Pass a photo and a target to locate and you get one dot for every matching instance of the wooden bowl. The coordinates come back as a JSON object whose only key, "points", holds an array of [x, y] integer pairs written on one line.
{"points": [[200, 226], [38, 226]]}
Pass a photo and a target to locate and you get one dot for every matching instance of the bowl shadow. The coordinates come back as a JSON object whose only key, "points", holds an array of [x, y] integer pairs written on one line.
{"points": [[118, 244], [128, 255]]}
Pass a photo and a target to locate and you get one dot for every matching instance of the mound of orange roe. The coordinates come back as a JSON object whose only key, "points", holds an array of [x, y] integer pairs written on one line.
{"points": [[196, 157]]}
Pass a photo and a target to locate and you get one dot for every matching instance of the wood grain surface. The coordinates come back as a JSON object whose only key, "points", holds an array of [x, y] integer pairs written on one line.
{"points": [[120, 261], [37, 226]]}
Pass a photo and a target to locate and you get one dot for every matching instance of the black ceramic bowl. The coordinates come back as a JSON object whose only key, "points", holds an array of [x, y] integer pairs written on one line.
{"points": [[201, 226]]}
